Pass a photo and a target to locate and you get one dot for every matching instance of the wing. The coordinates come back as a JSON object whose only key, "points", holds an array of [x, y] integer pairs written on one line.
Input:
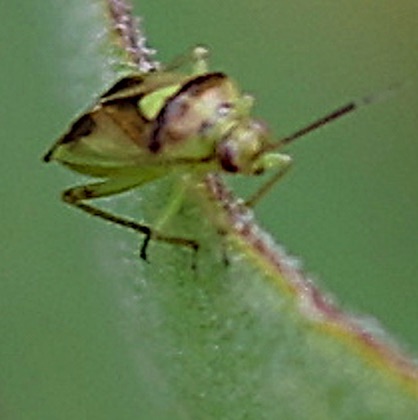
{"points": [[106, 141], [112, 137]]}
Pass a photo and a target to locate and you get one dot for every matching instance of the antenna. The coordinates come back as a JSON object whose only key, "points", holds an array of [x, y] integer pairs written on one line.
{"points": [[337, 114], [328, 118]]}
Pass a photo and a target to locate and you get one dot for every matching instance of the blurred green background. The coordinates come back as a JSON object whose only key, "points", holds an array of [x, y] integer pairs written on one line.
{"points": [[348, 208]]}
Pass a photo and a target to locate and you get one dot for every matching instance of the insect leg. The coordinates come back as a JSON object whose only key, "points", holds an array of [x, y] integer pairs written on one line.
{"points": [[174, 204], [200, 60], [77, 196], [197, 57], [266, 187]]}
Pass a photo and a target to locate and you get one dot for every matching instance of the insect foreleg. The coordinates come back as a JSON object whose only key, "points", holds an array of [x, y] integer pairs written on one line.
{"points": [[285, 165]]}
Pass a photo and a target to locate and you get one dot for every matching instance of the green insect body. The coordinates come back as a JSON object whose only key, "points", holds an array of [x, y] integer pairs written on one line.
{"points": [[151, 125], [200, 123]]}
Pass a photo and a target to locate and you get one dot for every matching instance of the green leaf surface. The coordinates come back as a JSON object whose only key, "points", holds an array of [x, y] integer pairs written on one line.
{"points": [[253, 338]]}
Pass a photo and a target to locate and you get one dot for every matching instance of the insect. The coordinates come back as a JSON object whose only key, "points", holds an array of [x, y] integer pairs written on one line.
{"points": [[151, 125]]}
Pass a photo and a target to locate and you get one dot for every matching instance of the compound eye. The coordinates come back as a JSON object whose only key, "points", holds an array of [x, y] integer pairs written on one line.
{"points": [[227, 155]]}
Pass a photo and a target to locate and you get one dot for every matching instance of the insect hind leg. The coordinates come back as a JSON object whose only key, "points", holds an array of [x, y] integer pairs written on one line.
{"points": [[77, 197]]}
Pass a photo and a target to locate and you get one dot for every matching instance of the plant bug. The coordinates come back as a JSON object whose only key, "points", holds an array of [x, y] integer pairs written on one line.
{"points": [[151, 125]]}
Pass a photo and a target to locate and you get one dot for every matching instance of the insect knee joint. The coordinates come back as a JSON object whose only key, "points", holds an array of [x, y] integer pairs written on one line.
{"points": [[74, 195], [69, 196]]}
